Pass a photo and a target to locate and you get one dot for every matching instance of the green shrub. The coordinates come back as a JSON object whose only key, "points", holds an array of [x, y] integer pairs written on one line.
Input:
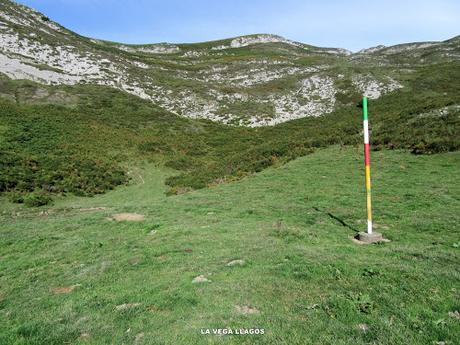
{"points": [[15, 197], [36, 199]]}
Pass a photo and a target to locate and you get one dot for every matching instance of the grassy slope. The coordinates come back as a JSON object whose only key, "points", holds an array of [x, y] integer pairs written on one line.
{"points": [[296, 258]]}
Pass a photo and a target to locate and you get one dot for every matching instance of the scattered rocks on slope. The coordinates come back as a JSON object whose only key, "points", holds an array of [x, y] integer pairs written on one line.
{"points": [[308, 90]]}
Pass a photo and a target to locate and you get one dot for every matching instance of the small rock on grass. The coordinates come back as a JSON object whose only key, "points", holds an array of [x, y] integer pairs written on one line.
{"points": [[455, 314], [84, 335], [138, 338], [200, 279], [238, 262], [363, 327], [125, 306]]}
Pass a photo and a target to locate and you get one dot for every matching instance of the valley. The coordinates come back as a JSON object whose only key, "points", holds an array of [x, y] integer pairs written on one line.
{"points": [[170, 193]]}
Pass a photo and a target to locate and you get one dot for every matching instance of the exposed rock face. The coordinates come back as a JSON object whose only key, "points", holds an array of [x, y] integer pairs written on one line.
{"points": [[372, 88], [152, 49], [254, 80], [245, 41]]}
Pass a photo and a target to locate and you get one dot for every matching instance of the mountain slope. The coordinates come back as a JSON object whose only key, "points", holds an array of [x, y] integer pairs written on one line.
{"points": [[253, 80], [77, 125]]}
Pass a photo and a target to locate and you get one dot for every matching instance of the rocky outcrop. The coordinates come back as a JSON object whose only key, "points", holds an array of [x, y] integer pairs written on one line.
{"points": [[232, 81]]}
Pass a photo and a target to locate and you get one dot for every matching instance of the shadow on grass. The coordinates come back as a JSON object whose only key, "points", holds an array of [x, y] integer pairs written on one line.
{"points": [[341, 221]]}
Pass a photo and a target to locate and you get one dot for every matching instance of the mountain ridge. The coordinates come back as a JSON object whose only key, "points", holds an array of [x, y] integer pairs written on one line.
{"points": [[218, 40], [253, 80]]}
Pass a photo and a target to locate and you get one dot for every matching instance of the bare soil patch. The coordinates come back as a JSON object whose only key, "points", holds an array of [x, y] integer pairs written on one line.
{"points": [[64, 289], [92, 209], [129, 217], [355, 240], [246, 310]]}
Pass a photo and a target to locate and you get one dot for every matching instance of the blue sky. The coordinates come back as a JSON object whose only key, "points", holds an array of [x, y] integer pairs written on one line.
{"points": [[353, 24]]}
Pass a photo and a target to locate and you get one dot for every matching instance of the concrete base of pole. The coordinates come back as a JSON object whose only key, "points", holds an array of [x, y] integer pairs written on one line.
{"points": [[369, 238]]}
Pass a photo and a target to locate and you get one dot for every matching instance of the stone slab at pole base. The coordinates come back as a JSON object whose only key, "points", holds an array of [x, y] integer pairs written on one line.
{"points": [[369, 238]]}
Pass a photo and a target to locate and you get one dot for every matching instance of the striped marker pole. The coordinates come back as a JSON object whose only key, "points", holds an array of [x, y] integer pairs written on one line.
{"points": [[367, 165]]}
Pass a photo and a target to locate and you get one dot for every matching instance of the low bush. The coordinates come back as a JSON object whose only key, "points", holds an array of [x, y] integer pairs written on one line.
{"points": [[37, 199]]}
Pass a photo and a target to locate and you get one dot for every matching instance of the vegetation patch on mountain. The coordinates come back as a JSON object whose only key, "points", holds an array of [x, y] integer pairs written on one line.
{"points": [[78, 113]]}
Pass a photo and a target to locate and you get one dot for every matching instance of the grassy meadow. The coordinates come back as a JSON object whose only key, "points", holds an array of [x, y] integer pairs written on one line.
{"points": [[70, 275]]}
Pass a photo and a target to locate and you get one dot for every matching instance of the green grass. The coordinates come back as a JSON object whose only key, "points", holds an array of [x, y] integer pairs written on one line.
{"points": [[310, 282]]}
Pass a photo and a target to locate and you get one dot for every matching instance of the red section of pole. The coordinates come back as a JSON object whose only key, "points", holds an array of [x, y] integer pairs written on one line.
{"points": [[367, 154]]}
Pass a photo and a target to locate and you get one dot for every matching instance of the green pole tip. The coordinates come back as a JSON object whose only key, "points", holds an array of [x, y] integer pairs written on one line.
{"points": [[364, 108]]}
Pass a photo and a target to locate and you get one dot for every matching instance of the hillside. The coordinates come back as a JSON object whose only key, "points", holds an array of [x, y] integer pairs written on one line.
{"points": [[78, 114], [69, 275], [253, 80]]}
